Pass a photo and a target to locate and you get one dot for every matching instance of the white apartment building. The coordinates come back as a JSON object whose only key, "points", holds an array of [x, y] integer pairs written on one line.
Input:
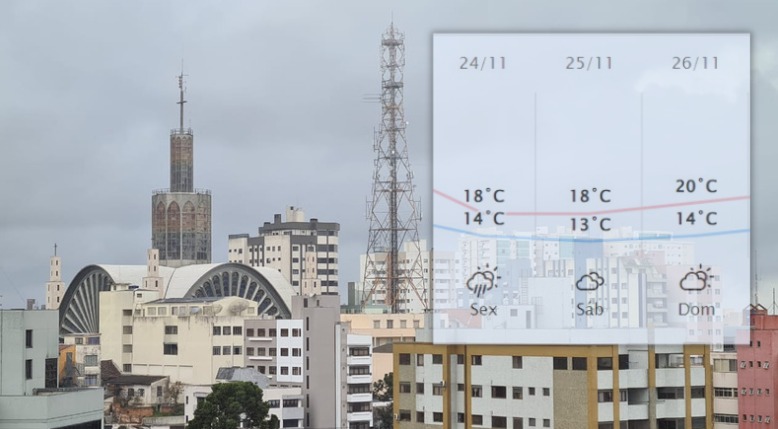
{"points": [[29, 395], [304, 252]]}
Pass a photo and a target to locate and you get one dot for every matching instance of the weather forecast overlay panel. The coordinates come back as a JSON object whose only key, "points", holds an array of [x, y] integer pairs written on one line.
{"points": [[591, 188]]}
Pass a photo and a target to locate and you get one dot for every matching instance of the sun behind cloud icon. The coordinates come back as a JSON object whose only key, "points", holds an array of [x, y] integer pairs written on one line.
{"points": [[695, 279]]}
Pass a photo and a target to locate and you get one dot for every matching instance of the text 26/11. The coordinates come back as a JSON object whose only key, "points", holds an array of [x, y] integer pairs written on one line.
{"points": [[482, 63]]}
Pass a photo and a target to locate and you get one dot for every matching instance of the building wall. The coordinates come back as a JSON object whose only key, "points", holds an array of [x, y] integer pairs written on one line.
{"points": [[558, 386], [756, 374], [117, 312], [181, 227], [52, 410], [55, 288], [14, 352]]}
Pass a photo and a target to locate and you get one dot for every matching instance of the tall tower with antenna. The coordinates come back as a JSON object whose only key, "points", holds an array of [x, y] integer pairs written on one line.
{"points": [[181, 214], [392, 273]]}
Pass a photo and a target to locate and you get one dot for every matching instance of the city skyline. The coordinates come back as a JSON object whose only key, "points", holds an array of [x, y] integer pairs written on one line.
{"points": [[276, 97]]}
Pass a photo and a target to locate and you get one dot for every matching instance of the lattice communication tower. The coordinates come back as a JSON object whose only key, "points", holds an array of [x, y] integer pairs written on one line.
{"points": [[393, 212]]}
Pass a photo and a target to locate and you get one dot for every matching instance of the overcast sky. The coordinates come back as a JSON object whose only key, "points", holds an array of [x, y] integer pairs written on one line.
{"points": [[275, 91]]}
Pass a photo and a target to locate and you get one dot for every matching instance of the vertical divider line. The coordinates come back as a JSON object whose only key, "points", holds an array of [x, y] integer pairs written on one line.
{"points": [[642, 165], [535, 161]]}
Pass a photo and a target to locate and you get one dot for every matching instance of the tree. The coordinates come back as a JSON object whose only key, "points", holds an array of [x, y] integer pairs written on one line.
{"points": [[229, 404], [383, 390]]}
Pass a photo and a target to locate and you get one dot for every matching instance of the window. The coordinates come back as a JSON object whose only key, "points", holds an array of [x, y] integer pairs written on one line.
{"points": [[437, 359], [579, 364], [28, 338], [171, 330], [217, 350], [478, 419], [560, 363], [518, 392], [170, 349], [260, 351], [159, 391], [518, 362], [404, 415], [249, 351], [546, 391], [272, 351], [126, 312], [604, 363], [126, 348], [297, 332], [376, 324], [237, 330], [499, 392], [546, 423], [217, 330], [499, 422], [127, 330], [260, 332], [296, 370], [79, 340], [226, 350], [531, 421], [419, 388], [285, 332], [605, 396], [420, 360], [237, 350], [437, 389], [476, 391], [460, 417], [460, 359], [419, 416], [284, 370], [127, 367], [249, 332], [460, 387], [297, 352], [271, 370], [50, 374], [272, 332], [531, 391], [284, 352], [28, 369], [437, 417], [91, 360], [405, 359], [518, 423], [475, 360]]}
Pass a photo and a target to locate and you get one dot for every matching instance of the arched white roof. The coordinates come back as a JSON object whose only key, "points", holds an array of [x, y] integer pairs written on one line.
{"points": [[176, 282]]}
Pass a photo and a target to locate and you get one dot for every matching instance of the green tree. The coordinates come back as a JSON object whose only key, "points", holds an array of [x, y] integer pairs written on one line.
{"points": [[229, 404], [383, 390]]}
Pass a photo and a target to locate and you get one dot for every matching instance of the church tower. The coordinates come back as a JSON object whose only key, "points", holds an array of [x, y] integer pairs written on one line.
{"points": [[55, 288], [181, 215]]}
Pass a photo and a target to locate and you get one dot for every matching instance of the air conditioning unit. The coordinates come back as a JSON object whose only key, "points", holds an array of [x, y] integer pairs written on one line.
{"points": [[766, 365], [767, 419], [743, 364]]}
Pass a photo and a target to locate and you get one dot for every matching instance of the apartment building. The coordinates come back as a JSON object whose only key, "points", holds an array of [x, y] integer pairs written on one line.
{"points": [[594, 387], [80, 364], [304, 252], [725, 389]]}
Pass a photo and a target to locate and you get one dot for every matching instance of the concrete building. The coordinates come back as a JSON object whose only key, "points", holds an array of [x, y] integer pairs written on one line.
{"points": [[304, 252], [756, 376], [186, 339], [29, 395], [181, 214], [594, 387], [275, 348], [725, 389]]}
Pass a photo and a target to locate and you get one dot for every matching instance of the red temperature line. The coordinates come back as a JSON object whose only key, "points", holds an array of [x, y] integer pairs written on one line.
{"points": [[628, 209]]}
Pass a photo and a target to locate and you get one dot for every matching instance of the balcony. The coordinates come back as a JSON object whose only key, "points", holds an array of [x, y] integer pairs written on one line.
{"points": [[633, 411], [670, 408], [361, 416], [261, 358], [359, 379], [633, 378], [359, 397], [670, 377], [261, 339], [359, 360]]}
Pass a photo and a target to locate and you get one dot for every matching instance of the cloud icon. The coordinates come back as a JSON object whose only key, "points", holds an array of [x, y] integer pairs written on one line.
{"points": [[480, 282], [590, 281], [694, 280]]}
